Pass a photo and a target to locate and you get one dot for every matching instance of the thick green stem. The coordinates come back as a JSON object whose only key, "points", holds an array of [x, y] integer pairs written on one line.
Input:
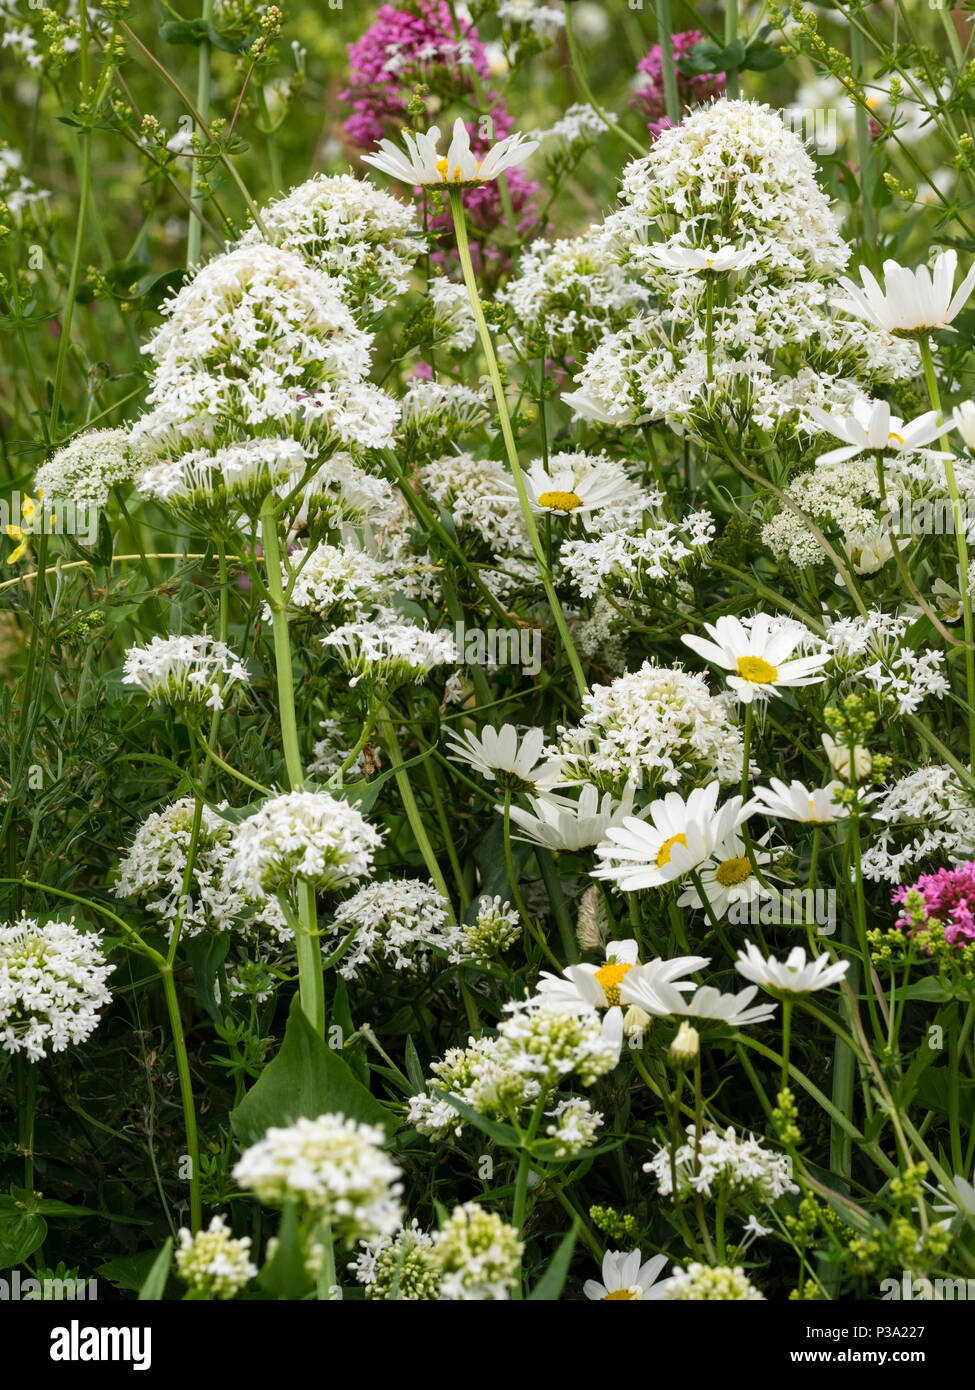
{"points": [[732, 86], [864, 146], [186, 1094]]}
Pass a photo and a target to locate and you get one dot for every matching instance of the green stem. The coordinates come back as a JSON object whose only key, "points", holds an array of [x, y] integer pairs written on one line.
{"points": [[521, 1181], [186, 1094], [584, 87], [203, 81], [413, 811], [864, 145], [732, 86]]}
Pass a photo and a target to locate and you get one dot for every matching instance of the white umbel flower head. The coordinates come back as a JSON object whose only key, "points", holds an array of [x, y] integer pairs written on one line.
{"points": [[625, 1278], [912, 303], [677, 836], [52, 986], [86, 469], [723, 1163], [186, 673], [791, 976], [654, 725], [477, 1254], [395, 922], [332, 1165], [210, 483], [303, 835], [559, 823], [423, 163], [514, 763], [213, 1263], [711, 1284], [796, 801], [869, 426], [384, 652], [758, 656]]}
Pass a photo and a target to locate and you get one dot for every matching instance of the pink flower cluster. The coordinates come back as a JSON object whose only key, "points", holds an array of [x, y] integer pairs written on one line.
{"points": [[404, 47], [948, 896], [650, 96], [420, 43]]}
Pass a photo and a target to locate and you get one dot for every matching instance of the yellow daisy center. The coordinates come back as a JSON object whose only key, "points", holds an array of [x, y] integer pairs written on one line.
{"points": [[442, 168], [754, 668], [609, 976], [733, 871], [897, 438], [619, 1294], [560, 501], [663, 853]]}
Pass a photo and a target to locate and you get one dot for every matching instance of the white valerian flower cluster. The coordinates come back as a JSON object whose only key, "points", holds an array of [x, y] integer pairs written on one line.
{"points": [[535, 1049], [723, 1164], [386, 653], [87, 468], [628, 562], [574, 1126], [52, 986], [17, 191], [476, 493], [872, 650], [494, 930], [575, 131], [731, 190], [356, 233], [261, 343], [567, 295], [153, 871], [478, 1255], [332, 1165], [454, 329], [439, 415], [712, 1283], [185, 673], [303, 835], [656, 725], [330, 577], [394, 922], [401, 1268], [217, 483], [213, 1263], [922, 817]]}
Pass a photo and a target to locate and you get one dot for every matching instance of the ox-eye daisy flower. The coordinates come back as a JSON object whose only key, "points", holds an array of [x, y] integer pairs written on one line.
{"points": [[581, 988], [704, 259], [644, 987], [624, 1277], [758, 657], [424, 164], [798, 802], [573, 491], [791, 976], [516, 764], [729, 878], [912, 302], [870, 426], [559, 823], [678, 835]]}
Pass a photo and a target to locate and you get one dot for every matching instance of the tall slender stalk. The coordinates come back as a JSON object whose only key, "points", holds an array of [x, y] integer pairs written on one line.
{"points": [[203, 82]]}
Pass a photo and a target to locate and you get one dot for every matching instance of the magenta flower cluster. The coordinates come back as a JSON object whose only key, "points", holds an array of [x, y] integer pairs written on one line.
{"points": [[947, 896], [649, 96]]}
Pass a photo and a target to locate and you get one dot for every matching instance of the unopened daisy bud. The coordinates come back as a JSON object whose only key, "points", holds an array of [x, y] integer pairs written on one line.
{"points": [[592, 923], [839, 758], [213, 1263], [686, 1047], [636, 1022]]}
